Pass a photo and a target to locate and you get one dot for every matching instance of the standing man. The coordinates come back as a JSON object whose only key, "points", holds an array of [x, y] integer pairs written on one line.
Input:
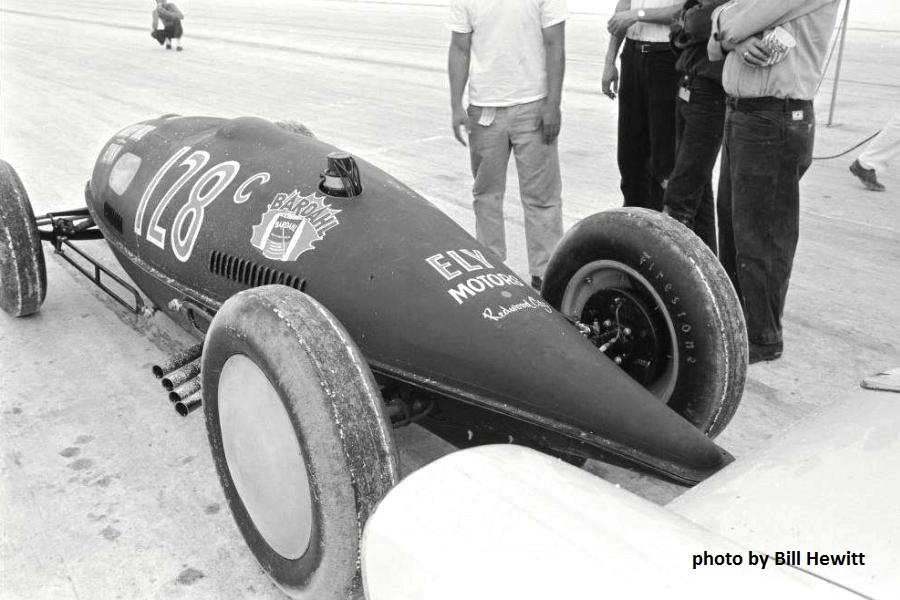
{"points": [[776, 53], [512, 53], [646, 146], [699, 118]]}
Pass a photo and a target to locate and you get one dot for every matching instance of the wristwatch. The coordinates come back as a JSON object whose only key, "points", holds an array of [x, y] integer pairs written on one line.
{"points": [[641, 13]]}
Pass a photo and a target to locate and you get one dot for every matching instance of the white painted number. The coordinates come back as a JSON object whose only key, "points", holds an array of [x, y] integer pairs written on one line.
{"points": [[195, 162], [183, 238], [142, 206], [189, 218]]}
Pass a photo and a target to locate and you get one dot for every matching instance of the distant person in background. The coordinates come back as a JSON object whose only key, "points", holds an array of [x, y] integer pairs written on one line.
{"points": [[512, 53], [646, 89], [699, 118], [880, 152], [171, 17], [775, 57]]}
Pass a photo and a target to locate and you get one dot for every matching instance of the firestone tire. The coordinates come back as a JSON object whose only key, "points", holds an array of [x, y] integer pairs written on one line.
{"points": [[23, 274], [298, 436], [675, 299]]}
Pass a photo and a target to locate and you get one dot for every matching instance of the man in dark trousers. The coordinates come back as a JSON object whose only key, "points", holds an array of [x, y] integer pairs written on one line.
{"points": [[646, 145], [699, 117], [775, 56]]}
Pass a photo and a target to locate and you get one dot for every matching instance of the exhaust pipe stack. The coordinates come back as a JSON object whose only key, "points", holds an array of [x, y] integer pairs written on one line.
{"points": [[189, 404], [177, 360], [180, 377], [184, 390]]}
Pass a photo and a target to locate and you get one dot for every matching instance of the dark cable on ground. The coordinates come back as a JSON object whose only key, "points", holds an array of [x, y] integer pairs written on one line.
{"points": [[848, 150]]}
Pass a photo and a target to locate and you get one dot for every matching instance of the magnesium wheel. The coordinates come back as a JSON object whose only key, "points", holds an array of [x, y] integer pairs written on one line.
{"points": [[298, 436], [23, 275], [653, 298]]}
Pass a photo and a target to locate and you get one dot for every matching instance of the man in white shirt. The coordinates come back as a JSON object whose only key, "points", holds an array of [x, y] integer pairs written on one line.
{"points": [[512, 53], [647, 90]]}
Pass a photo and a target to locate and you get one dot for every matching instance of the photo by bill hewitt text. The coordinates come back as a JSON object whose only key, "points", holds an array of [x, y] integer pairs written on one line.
{"points": [[787, 558]]}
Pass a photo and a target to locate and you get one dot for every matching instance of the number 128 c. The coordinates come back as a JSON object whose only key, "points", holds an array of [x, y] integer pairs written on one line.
{"points": [[189, 218]]}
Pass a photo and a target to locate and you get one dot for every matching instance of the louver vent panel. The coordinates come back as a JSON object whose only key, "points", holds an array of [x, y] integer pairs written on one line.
{"points": [[249, 273], [112, 217]]}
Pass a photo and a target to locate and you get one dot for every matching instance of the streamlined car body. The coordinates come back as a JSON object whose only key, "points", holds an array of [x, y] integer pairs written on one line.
{"points": [[314, 281]]}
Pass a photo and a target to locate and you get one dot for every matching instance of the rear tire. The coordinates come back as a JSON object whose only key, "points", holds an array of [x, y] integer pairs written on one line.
{"points": [[639, 271], [23, 274], [298, 436]]}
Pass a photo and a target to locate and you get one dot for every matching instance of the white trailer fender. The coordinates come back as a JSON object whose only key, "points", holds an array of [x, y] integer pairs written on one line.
{"points": [[498, 522]]}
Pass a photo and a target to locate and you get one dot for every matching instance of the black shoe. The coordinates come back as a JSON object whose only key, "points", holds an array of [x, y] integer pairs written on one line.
{"points": [[179, 48], [168, 46], [764, 352], [867, 176], [536, 282]]}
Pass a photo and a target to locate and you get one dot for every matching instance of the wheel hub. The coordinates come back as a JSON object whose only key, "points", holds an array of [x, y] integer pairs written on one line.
{"points": [[624, 329], [264, 457], [621, 313]]}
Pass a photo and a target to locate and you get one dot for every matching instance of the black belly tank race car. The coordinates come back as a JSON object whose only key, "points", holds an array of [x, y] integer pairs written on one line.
{"points": [[332, 303]]}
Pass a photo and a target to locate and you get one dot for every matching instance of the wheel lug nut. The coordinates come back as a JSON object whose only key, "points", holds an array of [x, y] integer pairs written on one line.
{"points": [[627, 331], [618, 360], [607, 323]]}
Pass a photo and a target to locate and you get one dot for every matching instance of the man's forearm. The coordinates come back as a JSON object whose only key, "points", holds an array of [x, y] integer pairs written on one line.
{"points": [[663, 15], [739, 21], [612, 50], [458, 70], [556, 68]]}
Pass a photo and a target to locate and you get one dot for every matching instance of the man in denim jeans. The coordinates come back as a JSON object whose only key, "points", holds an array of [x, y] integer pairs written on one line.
{"points": [[699, 119], [512, 53], [775, 56]]}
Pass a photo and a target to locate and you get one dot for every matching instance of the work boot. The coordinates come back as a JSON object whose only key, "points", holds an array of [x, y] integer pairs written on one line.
{"points": [[867, 176]]}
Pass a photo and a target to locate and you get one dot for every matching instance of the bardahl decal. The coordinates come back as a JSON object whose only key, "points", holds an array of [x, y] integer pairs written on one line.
{"points": [[530, 303], [455, 263], [292, 224]]}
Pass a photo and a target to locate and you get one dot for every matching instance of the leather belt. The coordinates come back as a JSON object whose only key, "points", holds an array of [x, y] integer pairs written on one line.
{"points": [[647, 47], [767, 103]]}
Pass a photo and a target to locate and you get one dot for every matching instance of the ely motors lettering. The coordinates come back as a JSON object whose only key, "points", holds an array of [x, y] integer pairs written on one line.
{"points": [[453, 264]]}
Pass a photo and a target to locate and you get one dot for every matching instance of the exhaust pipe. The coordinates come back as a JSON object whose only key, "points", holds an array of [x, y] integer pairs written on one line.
{"points": [[189, 404], [185, 389], [177, 360], [181, 375]]}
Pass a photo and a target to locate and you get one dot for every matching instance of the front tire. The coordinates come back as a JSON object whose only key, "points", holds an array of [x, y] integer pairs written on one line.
{"points": [[23, 274], [298, 435], [657, 302]]}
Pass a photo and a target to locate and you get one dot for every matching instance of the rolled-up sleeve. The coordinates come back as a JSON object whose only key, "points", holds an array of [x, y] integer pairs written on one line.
{"points": [[553, 12], [458, 19]]}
